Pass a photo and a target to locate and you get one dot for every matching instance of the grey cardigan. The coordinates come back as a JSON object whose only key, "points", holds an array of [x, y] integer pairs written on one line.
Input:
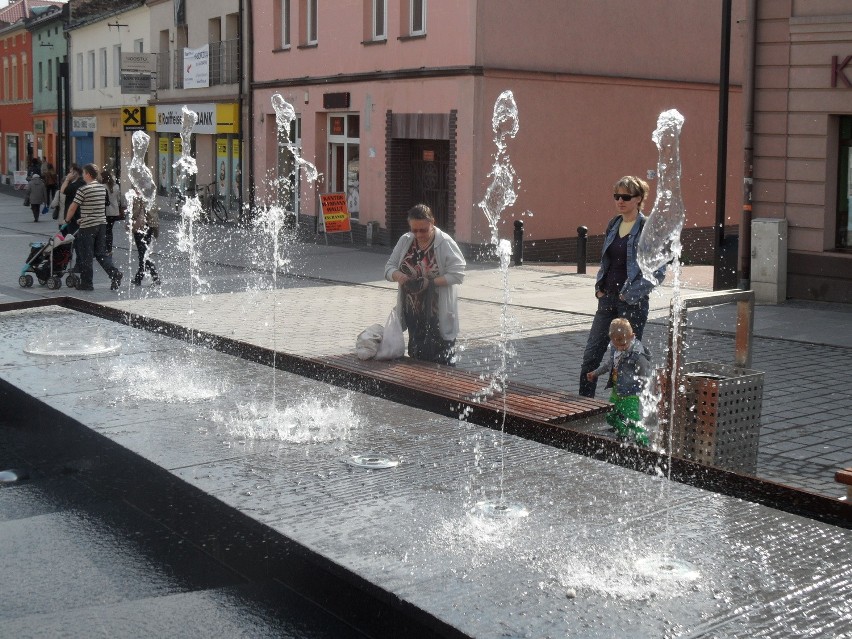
{"points": [[451, 265]]}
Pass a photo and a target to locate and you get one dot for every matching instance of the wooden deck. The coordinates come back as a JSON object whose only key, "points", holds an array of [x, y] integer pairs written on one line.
{"points": [[466, 388]]}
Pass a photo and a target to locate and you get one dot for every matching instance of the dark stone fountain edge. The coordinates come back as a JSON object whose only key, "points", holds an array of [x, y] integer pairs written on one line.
{"points": [[749, 488], [243, 544]]}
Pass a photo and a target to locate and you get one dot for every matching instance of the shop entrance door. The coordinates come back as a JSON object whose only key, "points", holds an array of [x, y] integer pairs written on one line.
{"points": [[429, 173]]}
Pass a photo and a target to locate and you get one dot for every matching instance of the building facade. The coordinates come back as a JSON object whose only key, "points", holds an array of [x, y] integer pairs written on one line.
{"points": [[394, 100], [802, 123], [198, 65], [49, 50], [97, 41]]}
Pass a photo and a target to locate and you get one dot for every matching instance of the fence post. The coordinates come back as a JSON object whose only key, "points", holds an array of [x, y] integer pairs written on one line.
{"points": [[518, 252], [582, 240]]}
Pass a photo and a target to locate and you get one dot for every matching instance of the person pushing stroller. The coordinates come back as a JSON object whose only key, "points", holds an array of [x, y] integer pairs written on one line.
{"points": [[90, 239]]}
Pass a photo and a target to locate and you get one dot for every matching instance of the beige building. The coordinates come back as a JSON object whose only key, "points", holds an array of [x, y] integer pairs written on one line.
{"points": [[197, 43], [802, 123]]}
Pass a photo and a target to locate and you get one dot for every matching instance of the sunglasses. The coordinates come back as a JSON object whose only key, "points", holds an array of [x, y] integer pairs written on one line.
{"points": [[624, 197]]}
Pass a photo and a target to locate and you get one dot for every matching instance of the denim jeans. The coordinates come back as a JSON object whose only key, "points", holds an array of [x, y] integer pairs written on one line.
{"points": [[609, 307], [91, 243]]}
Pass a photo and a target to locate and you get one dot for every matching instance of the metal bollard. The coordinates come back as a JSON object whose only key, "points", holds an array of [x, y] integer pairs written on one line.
{"points": [[518, 249], [582, 241]]}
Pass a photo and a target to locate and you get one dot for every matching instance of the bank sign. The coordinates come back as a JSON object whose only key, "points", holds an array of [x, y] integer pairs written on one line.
{"points": [[170, 118]]}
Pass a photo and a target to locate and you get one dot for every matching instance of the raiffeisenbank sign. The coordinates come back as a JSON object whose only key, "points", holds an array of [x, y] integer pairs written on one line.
{"points": [[170, 118]]}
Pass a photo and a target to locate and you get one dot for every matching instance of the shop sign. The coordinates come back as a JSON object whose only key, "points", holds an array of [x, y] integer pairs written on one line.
{"points": [[170, 118], [838, 71], [335, 213], [137, 62], [84, 124]]}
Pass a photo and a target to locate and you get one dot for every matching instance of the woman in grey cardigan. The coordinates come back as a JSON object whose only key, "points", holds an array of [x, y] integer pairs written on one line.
{"points": [[427, 264]]}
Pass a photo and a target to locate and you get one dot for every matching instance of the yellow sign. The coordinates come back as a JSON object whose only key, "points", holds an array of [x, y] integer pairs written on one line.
{"points": [[133, 118], [335, 213]]}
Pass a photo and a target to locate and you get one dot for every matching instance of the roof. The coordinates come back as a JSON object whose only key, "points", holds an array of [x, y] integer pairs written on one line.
{"points": [[24, 9], [87, 11]]}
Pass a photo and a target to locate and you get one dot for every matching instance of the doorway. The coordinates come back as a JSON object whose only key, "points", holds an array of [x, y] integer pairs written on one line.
{"points": [[429, 178]]}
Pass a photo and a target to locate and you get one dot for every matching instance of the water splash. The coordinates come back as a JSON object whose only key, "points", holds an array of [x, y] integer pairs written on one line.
{"points": [[139, 173], [502, 192], [59, 342], [659, 243], [190, 212], [285, 114], [171, 377], [309, 420]]}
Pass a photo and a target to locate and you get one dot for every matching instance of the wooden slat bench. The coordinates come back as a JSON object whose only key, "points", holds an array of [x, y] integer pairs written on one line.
{"points": [[845, 477], [466, 388]]}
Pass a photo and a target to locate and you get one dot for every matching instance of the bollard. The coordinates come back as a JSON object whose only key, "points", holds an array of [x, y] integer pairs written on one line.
{"points": [[518, 252], [582, 240]]}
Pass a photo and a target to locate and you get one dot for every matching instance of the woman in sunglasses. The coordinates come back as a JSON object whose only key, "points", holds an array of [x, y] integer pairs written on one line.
{"points": [[427, 264], [620, 288]]}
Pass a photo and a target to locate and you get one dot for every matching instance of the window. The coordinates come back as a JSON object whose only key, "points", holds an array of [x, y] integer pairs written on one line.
{"points": [[50, 75], [80, 71], [417, 17], [344, 131], [116, 65], [311, 26], [103, 64], [14, 94], [284, 41], [91, 63], [139, 45], [40, 77], [844, 184], [380, 19], [25, 77]]}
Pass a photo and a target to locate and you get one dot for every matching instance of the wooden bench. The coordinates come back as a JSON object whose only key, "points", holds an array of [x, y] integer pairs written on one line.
{"points": [[467, 389], [845, 477]]}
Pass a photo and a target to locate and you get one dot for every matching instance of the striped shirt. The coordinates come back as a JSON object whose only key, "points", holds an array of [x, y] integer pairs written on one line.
{"points": [[91, 199]]}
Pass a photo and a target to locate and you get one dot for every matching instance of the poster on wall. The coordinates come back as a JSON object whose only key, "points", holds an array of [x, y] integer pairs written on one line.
{"points": [[163, 172], [223, 168], [236, 172], [196, 67]]}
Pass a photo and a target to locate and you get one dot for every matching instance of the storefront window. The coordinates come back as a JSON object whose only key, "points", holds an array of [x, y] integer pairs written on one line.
{"points": [[288, 179], [844, 184], [344, 152]]}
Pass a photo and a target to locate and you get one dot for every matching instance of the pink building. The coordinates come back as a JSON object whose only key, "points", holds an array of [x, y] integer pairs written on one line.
{"points": [[395, 98]]}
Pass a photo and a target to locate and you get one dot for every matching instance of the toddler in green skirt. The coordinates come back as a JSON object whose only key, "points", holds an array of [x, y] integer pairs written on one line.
{"points": [[628, 366]]}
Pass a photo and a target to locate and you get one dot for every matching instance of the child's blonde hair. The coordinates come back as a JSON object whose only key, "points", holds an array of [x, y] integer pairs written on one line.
{"points": [[621, 327]]}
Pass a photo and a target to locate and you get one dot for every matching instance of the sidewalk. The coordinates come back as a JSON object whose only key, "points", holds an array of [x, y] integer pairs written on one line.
{"points": [[330, 293]]}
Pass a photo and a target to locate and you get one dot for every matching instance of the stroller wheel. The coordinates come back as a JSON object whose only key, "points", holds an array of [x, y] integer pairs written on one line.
{"points": [[54, 282], [71, 281], [25, 280]]}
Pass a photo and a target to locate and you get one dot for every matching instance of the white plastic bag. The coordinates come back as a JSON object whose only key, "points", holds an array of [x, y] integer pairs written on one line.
{"points": [[393, 341], [368, 340]]}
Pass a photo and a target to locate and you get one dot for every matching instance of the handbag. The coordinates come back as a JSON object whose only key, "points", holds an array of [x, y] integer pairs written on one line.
{"points": [[392, 345]]}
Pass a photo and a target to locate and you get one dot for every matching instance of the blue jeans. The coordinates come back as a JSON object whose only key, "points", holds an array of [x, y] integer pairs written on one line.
{"points": [[609, 307], [91, 243]]}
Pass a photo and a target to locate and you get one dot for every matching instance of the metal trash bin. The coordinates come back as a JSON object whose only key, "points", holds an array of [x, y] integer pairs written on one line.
{"points": [[717, 416]]}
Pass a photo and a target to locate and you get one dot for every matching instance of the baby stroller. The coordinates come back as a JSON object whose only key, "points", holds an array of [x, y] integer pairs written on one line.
{"points": [[49, 261]]}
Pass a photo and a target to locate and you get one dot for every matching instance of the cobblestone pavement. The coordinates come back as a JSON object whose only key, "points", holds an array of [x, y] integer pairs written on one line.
{"points": [[330, 293]]}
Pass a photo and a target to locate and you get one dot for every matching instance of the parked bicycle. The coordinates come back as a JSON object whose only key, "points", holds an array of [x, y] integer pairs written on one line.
{"points": [[213, 209]]}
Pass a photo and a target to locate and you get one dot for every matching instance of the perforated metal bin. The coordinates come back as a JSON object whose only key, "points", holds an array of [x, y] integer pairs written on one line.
{"points": [[717, 417]]}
